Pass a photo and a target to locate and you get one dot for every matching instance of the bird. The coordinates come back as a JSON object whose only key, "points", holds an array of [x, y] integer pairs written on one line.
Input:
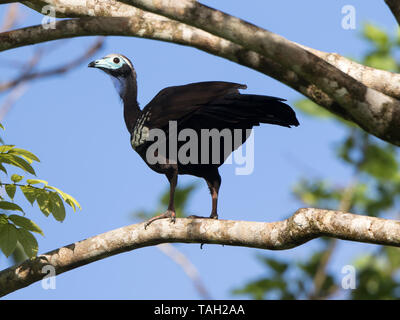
{"points": [[195, 106]]}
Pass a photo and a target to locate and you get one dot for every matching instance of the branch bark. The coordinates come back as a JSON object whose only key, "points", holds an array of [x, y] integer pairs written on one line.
{"points": [[173, 32], [394, 6], [374, 111], [304, 225], [355, 92]]}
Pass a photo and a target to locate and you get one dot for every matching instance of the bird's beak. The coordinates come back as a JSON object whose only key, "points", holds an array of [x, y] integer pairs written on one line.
{"points": [[102, 64], [92, 64]]}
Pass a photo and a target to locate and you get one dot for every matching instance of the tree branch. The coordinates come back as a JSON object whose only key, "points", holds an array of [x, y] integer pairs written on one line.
{"points": [[11, 17], [394, 6], [29, 74], [345, 205], [172, 32], [375, 112], [304, 225], [362, 99], [16, 93], [188, 267], [381, 80]]}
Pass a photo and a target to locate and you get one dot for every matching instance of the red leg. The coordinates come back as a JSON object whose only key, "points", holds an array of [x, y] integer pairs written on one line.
{"points": [[213, 182], [170, 213]]}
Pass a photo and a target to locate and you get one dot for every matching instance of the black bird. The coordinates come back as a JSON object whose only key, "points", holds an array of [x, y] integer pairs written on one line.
{"points": [[196, 106]]}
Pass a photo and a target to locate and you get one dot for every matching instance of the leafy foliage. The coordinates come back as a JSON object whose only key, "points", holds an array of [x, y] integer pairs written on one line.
{"points": [[16, 230], [374, 190], [383, 46]]}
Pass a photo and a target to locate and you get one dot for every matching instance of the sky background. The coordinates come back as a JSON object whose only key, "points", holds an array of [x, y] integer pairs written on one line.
{"points": [[74, 124]]}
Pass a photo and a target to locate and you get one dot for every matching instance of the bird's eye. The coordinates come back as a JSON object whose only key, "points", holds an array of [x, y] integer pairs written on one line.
{"points": [[116, 60]]}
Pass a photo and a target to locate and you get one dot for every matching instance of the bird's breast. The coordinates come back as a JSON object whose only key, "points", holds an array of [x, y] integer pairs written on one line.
{"points": [[140, 131]]}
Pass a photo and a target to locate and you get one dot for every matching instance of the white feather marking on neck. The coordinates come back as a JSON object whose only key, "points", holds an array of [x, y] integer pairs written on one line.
{"points": [[120, 85]]}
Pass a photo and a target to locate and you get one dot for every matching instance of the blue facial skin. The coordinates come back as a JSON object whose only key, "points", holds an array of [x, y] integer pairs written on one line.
{"points": [[118, 71], [108, 63]]}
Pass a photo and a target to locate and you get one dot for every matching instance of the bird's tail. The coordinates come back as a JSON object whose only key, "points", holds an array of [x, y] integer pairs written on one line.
{"points": [[253, 109]]}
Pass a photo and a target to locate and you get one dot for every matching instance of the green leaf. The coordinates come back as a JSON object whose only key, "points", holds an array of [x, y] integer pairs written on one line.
{"points": [[377, 36], [44, 203], [67, 198], [5, 205], [380, 162], [36, 181], [257, 289], [28, 242], [5, 148], [10, 189], [278, 266], [3, 219], [57, 207], [312, 109], [27, 154], [17, 161], [29, 193], [381, 61], [2, 168], [1, 126], [8, 238], [16, 178], [25, 223], [393, 256]]}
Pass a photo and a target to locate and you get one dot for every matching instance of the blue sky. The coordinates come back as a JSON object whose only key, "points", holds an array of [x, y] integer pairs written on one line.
{"points": [[74, 124]]}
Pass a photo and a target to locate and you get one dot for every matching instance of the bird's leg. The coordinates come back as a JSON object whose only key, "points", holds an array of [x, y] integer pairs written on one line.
{"points": [[214, 188], [170, 213], [214, 183]]}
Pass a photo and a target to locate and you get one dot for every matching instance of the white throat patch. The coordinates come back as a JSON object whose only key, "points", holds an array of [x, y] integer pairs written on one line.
{"points": [[120, 85]]}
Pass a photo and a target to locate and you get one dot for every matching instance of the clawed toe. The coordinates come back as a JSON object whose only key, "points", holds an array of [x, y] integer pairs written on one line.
{"points": [[167, 214], [195, 217], [212, 216]]}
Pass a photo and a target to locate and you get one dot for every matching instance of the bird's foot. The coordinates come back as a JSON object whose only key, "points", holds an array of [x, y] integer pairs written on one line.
{"points": [[212, 216], [167, 214]]}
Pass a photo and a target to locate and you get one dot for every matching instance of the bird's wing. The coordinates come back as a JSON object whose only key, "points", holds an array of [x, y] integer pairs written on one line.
{"points": [[248, 110], [180, 102]]}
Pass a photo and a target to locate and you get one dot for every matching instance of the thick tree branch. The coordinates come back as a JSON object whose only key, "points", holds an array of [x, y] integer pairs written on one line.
{"points": [[363, 103], [375, 112], [172, 32], [345, 205], [304, 225], [381, 80], [394, 6]]}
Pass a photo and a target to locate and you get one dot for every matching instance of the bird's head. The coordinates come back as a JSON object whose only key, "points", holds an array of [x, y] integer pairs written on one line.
{"points": [[116, 65], [120, 69]]}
